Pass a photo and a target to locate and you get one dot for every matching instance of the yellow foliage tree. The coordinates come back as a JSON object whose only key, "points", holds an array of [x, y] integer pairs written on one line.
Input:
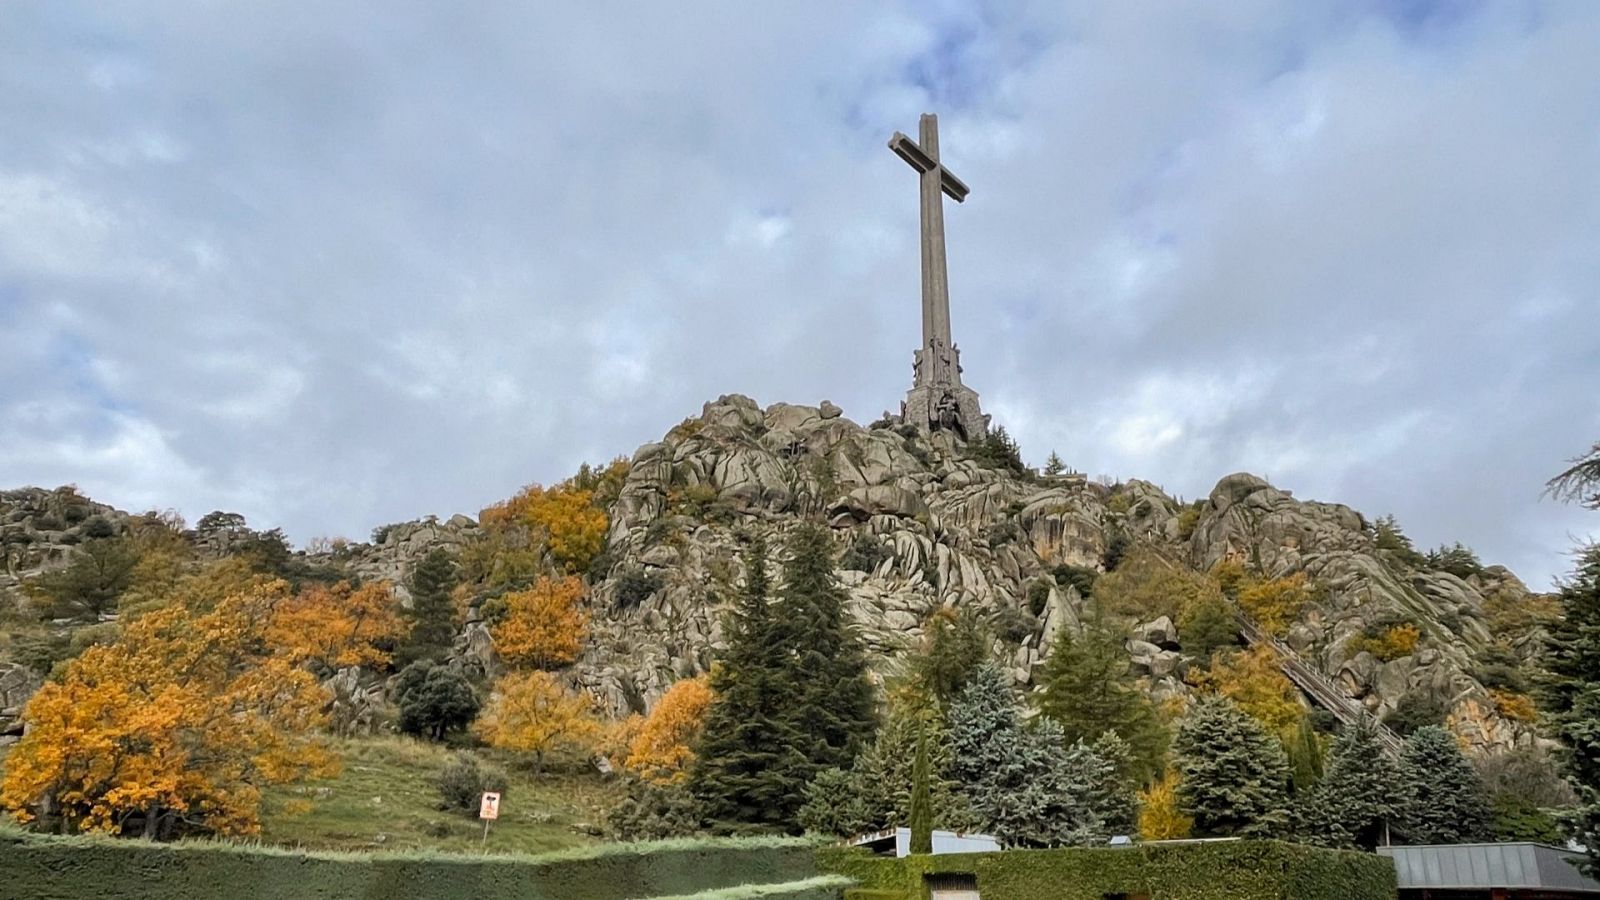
{"points": [[1146, 586], [338, 626], [663, 747], [176, 725], [1390, 644], [572, 527], [1254, 680], [1160, 819], [543, 626], [530, 712], [1276, 603]]}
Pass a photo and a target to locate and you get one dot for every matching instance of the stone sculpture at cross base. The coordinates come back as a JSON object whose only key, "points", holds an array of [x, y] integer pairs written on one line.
{"points": [[937, 401]]}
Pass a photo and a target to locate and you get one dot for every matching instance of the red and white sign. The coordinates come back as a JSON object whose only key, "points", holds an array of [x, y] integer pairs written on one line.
{"points": [[489, 808]]}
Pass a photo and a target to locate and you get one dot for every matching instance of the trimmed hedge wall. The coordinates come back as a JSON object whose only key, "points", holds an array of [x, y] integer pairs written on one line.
{"points": [[55, 868], [1232, 870]]}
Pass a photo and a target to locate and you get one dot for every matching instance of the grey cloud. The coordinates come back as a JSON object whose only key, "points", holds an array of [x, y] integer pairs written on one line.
{"points": [[339, 266]]}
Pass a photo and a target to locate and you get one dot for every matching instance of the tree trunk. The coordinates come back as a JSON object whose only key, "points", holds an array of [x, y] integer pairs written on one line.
{"points": [[152, 818]]}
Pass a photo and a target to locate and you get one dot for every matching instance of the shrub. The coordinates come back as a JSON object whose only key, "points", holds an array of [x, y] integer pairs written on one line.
{"points": [[635, 585], [1414, 711], [1513, 705], [464, 779], [1081, 577], [1188, 520], [864, 554], [98, 527], [1388, 644], [653, 811], [1038, 595]]}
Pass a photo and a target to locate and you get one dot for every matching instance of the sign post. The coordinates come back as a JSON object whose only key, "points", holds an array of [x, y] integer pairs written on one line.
{"points": [[488, 811]]}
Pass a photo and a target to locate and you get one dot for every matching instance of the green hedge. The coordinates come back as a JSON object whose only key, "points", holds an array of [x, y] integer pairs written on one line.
{"points": [[1232, 870], [55, 868]]}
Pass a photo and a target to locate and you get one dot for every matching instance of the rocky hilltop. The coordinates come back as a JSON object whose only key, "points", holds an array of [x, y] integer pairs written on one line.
{"points": [[921, 523]]}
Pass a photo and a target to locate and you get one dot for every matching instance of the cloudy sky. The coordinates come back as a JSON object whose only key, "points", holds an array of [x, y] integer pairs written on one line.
{"points": [[335, 265]]}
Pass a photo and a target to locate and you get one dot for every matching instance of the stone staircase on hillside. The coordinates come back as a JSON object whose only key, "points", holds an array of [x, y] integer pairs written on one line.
{"points": [[1316, 685]]}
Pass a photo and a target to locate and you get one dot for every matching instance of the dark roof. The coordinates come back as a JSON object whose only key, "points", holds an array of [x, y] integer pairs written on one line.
{"points": [[1479, 866]]}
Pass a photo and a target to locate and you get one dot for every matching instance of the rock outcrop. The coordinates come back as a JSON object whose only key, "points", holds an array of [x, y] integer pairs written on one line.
{"points": [[919, 525]]}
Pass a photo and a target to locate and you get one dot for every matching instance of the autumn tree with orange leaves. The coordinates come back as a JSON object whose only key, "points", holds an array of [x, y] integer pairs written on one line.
{"points": [[176, 726], [543, 627], [662, 748], [565, 517], [531, 712], [332, 627]]}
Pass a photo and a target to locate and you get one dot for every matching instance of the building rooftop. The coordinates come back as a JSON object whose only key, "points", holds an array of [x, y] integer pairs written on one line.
{"points": [[1483, 866]]}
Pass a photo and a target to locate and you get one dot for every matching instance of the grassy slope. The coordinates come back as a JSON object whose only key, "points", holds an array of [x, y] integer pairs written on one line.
{"points": [[386, 799]]}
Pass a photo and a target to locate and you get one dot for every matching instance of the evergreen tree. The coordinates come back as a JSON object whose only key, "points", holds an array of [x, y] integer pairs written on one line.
{"points": [[1359, 794], [432, 613], [830, 700], [1305, 757], [1085, 687], [750, 767], [921, 799], [1234, 774], [1570, 696], [1444, 800], [434, 700], [1113, 792], [1054, 465], [1023, 783], [954, 645]]}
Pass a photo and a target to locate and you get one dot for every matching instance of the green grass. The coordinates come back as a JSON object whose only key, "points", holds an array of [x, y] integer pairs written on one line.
{"points": [[385, 799]]}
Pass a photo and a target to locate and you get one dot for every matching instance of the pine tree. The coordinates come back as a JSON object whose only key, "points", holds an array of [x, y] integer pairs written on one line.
{"points": [[432, 613], [1113, 792], [1444, 800], [1359, 794], [1570, 696], [1234, 774], [1085, 687], [921, 799], [750, 767], [830, 700], [1054, 465]]}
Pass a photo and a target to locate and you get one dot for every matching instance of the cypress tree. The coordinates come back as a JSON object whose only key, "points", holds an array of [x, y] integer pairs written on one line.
{"points": [[1085, 687], [1359, 794], [1235, 775], [921, 800], [1305, 757], [432, 613], [750, 767], [1445, 802], [1570, 696]]}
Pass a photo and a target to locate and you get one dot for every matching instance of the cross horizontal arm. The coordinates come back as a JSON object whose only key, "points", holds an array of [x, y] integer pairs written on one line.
{"points": [[908, 150]]}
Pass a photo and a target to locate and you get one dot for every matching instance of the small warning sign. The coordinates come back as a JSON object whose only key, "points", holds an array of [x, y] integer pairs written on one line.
{"points": [[490, 807]]}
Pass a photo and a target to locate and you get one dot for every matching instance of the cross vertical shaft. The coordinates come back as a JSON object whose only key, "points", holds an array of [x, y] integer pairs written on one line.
{"points": [[935, 274]]}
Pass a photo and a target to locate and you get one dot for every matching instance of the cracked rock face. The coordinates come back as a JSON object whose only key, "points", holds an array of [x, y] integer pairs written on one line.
{"points": [[917, 525]]}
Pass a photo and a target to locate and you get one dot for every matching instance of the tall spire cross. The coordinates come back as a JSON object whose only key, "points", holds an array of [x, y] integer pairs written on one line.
{"points": [[935, 363], [937, 401]]}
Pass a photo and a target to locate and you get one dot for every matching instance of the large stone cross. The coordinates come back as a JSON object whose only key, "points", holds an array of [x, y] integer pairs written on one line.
{"points": [[935, 363], [937, 400]]}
